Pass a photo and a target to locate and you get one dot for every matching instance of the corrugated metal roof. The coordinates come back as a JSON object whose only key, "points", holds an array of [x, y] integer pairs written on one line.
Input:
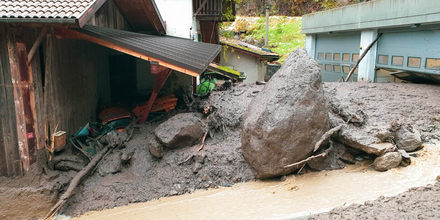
{"points": [[184, 53], [44, 9]]}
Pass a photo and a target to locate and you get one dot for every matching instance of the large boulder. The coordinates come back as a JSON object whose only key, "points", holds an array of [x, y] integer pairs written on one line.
{"points": [[286, 119], [182, 130]]}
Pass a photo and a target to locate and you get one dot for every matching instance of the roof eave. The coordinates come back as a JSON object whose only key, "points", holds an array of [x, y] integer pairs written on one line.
{"points": [[69, 22]]}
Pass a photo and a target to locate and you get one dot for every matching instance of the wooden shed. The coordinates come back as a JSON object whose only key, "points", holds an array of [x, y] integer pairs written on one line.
{"points": [[57, 65]]}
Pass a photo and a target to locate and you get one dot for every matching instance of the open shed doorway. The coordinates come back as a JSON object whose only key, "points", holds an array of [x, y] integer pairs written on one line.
{"points": [[122, 77]]}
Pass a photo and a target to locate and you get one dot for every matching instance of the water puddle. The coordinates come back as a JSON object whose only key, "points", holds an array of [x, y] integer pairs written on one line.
{"points": [[298, 196]]}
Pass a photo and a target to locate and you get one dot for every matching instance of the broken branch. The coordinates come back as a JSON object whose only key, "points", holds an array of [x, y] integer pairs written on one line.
{"points": [[203, 142], [326, 137], [323, 154], [75, 182]]}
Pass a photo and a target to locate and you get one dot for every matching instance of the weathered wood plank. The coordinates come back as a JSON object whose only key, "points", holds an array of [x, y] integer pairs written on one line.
{"points": [[8, 130], [14, 65], [4, 113]]}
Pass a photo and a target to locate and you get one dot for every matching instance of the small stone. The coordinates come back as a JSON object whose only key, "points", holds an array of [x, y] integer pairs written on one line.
{"points": [[156, 148], [387, 161], [112, 164], [347, 158], [408, 139], [197, 167], [173, 192], [126, 157], [283, 178]]}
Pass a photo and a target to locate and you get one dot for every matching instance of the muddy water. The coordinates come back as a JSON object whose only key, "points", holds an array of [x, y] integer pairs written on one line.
{"points": [[298, 196]]}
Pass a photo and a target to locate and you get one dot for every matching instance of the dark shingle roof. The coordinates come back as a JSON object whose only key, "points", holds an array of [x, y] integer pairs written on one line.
{"points": [[44, 9], [184, 53]]}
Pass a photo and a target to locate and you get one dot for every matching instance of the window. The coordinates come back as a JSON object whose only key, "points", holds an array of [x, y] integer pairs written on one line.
{"points": [[328, 67], [328, 56], [414, 62], [336, 56], [383, 59], [337, 68], [433, 64], [355, 57], [321, 67], [345, 57], [397, 61], [346, 69], [320, 56]]}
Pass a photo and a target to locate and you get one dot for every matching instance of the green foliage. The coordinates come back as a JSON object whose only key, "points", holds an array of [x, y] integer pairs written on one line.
{"points": [[228, 12], [284, 34]]}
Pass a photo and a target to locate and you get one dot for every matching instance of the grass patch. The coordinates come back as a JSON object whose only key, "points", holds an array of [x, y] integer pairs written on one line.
{"points": [[284, 33]]}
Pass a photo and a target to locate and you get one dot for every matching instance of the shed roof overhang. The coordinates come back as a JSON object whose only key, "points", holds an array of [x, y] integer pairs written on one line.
{"points": [[178, 54]]}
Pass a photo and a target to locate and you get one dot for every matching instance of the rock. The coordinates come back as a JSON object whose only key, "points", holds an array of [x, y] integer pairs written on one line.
{"points": [[408, 139], [331, 161], [388, 161], [364, 139], [69, 165], [406, 159], [112, 164], [182, 130], [346, 157], [156, 148], [126, 155], [197, 167], [285, 120]]}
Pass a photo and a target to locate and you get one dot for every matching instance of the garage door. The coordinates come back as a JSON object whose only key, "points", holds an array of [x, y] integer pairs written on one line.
{"points": [[337, 54]]}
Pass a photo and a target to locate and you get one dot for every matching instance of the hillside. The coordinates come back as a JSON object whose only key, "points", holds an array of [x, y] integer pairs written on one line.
{"points": [[284, 32]]}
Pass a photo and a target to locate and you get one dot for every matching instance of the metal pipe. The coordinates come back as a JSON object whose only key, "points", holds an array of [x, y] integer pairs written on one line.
{"points": [[267, 27]]}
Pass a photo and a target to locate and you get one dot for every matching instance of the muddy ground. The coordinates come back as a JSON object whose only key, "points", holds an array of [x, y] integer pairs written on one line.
{"points": [[416, 203], [147, 178], [221, 163]]}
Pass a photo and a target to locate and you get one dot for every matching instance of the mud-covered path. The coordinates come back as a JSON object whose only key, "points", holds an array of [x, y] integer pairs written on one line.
{"points": [[296, 197]]}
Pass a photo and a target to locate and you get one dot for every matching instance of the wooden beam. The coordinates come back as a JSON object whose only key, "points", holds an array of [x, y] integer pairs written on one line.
{"points": [[37, 43], [160, 80], [18, 102], [72, 34]]}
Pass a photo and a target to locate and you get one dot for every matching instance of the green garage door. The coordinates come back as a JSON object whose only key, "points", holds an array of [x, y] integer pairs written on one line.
{"points": [[336, 54]]}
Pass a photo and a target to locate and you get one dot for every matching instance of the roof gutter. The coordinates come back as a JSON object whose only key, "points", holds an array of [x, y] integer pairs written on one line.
{"points": [[40, 20]]}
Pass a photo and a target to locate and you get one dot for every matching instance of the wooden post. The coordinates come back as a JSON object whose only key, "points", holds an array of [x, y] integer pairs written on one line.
{"points": [[160, 80], [24, 100]]}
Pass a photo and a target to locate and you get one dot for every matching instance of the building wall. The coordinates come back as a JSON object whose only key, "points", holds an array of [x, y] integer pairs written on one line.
{"points": [[242, 63]]}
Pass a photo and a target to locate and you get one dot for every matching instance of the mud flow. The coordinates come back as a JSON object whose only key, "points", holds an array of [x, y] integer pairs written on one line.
{"points": [[296, 197]]}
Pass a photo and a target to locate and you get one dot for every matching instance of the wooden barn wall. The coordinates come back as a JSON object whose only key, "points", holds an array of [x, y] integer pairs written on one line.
{"points": [[9, 155], [76, 81], [74, 71], [109, 16], [77, 77]]}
